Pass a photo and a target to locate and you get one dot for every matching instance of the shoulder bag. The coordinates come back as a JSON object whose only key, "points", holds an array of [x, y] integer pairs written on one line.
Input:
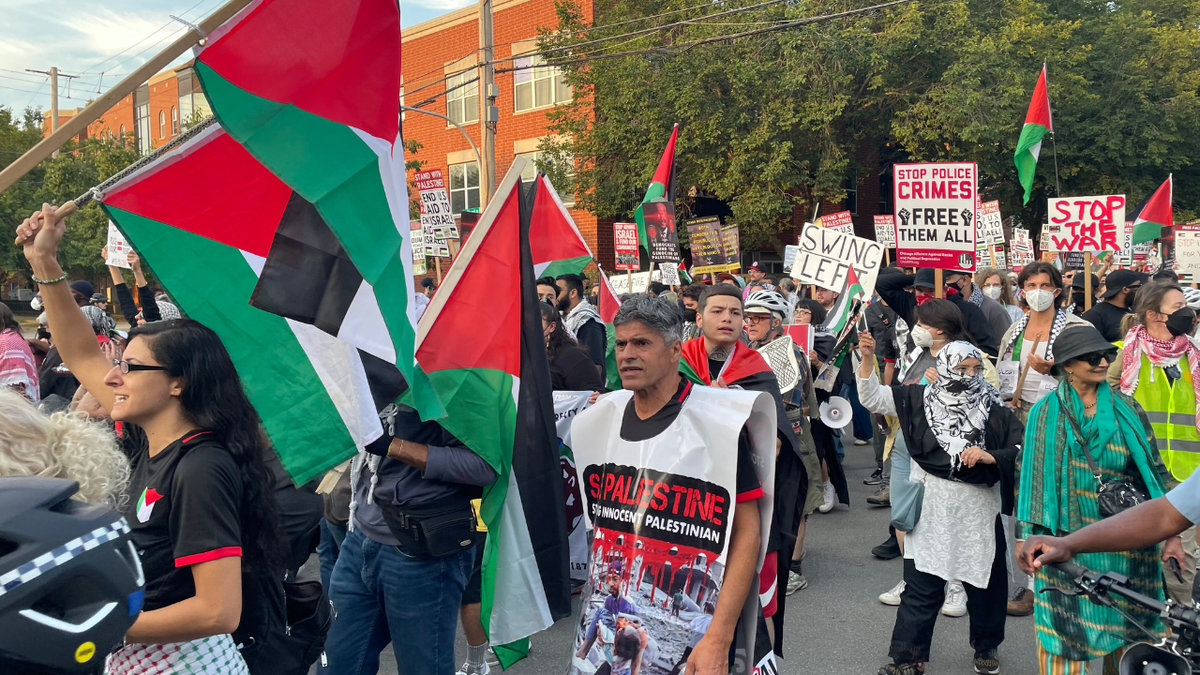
{"points": [[1112, 496]]}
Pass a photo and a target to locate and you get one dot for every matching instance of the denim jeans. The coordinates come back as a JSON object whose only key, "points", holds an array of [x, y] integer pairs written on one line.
{"points": [[381, 595], [327, 550]]}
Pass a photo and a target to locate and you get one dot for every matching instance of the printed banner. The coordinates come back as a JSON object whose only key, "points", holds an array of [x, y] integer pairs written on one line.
{"points": [[641, 281], [935, 215], [731, 244], [567, 404], [1187, 249], [827, 255], [885, 230], [991, 225], [1093, 224], [842, 221], [660, 230], [669, 273], [418, 249], [708, 253], [118, 249], [437, 219], [625, 242]]}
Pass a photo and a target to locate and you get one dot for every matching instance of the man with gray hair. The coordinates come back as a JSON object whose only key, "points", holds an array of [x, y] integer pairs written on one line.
{"points": [[670, 425]]}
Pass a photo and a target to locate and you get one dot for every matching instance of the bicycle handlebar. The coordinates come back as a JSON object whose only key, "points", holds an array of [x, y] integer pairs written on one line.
{"points": [[1107, 583]]}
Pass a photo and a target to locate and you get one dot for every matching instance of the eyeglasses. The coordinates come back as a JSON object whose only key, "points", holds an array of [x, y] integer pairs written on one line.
{"points": [[757, 318], [126, 366], [804, 312], [1095, 358]]}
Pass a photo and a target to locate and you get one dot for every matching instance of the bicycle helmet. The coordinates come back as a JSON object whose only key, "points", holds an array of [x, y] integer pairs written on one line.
{"points": [[771, 300], [70, 579], [1192, 295]]}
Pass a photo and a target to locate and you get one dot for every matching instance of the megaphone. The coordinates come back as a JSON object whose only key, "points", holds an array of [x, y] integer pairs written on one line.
{"points": [[836, 413], [1148, 659]]}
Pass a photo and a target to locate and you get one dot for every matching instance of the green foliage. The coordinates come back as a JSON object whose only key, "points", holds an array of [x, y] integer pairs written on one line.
{"points": [[777, 120], [78, 168]]}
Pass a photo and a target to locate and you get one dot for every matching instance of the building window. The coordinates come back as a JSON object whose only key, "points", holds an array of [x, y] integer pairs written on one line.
{"points": [[464, 187], [174, 120], [143, 128], [462, 100], [562, 177], [852, 193], [885, 192], [536, 87], [122, 132], [162, 124]]}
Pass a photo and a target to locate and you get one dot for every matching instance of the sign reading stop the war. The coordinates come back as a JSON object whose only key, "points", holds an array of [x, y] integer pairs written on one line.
{"points": [[1093, 224], [935, 215]]}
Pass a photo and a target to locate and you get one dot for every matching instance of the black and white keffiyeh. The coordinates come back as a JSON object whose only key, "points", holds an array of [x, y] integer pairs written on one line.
{"points": [[957, 405], [976, 296]]}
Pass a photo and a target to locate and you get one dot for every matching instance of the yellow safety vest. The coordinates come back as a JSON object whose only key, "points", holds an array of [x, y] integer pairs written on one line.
{"points": [[1172, 413]]}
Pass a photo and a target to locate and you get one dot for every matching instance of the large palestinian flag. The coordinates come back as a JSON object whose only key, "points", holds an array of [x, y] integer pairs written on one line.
{"points": [[1154, 214], [662, 187], [480, 344], [203, 217], [609, 304], [310, 88], [554, 241], [1029, 145]]}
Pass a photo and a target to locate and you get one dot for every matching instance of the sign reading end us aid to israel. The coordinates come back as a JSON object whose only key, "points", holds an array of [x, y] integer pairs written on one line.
{"points": [[935, 215]]}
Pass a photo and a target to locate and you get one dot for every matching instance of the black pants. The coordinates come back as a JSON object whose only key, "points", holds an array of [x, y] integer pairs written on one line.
{"points": [[922, 600]]}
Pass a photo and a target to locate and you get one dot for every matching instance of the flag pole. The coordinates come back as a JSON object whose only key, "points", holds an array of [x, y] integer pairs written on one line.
{"points": [[1087, 280], [939, 289], [1054, 142]]}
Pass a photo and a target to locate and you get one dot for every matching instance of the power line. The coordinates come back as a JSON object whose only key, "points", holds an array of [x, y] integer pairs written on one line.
{"points": [[156, 32]]}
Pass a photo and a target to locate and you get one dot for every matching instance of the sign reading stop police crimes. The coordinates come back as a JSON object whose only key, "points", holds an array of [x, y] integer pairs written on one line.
{"points": [[1088, 224], [935, 215]]}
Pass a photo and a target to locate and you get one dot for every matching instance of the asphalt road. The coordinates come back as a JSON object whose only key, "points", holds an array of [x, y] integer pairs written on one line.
{"points": [[837, 625]]}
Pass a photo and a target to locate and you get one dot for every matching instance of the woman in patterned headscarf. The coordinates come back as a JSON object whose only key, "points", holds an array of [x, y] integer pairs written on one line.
{"points": [[963, 442]]}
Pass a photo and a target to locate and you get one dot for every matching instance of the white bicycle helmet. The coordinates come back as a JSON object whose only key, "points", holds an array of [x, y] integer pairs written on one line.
{"points": [[771, 300], [1192, 295]]}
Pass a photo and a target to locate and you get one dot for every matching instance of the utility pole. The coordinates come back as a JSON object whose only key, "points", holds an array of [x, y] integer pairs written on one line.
{"points": [[53, 73], [489, 114]]}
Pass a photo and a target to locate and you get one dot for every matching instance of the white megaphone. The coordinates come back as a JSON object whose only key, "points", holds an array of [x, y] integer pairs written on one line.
{"points": [[836, 413]]}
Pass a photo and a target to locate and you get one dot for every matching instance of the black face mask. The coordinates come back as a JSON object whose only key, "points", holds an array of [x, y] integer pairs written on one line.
{"points": [[689, 315], [43, 334], [1077, 298], [1181, 321]]}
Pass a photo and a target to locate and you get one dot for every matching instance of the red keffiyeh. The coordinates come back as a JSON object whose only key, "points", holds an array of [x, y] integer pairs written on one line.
{"points": [[1162, 353], [18, 370]]}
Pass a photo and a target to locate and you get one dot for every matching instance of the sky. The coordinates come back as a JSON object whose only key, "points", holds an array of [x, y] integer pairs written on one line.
{"points": [[103, 40]]}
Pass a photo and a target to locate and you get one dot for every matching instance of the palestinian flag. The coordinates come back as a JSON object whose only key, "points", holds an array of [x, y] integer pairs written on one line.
{"points": [[480, 344], [662, 187], [1037, 123], [555, 242], [203, 217], [1154, 214], [842, 312], [609, 304], [309, 88], [685, 277]]}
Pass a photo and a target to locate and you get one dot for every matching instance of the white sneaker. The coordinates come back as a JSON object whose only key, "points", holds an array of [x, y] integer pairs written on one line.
{"points": [[830, 498], [956, 599], [892, 597], [467, 669], [796, 582]]}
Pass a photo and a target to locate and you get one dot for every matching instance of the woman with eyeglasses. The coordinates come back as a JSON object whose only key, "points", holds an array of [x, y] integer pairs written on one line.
{"points": [[1058, 497], [200, 508], [997, 286], [963, 442]]}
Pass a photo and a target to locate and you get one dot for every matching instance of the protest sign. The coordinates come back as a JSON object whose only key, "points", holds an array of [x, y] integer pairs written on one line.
{"points": [[640, 280], [789, 257], [437, 219], [669, 273], [1187, 248], [1001, 260], [708, 254], [567, 404], [935, 215], [731, 245], [418, 250], [1072, 260], [801, 334], [118, 249], [826, 256], [885, 230], [625, 242], [841, 221], [662, 238], [991, 225], [1087, 224]]}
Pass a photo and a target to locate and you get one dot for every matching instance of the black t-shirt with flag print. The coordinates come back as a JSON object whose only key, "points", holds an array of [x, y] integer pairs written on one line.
{"points": [[184, 509]]}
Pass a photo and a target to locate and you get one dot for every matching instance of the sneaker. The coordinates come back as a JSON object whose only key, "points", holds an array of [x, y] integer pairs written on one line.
{"points": [[796, 582], [882, 497], [859, 441], [892, 597], [468, 669], [902, 669], [987, 662], [830, 498], [875, 478], [888, 550], [956, 599], [1021, 604]]}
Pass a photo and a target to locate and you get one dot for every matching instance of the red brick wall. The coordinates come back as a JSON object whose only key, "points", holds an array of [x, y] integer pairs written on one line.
{"points": [[164, 95]]}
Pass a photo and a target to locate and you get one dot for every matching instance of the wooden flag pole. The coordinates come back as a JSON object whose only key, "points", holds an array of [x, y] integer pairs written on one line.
{"points": [[992, 254], [629, 279], [1087, 280], [437, 263], [1024, 371], [887, 257], [939, 288]]}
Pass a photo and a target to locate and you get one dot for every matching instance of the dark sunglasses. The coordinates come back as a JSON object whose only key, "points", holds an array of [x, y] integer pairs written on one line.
{"points": [[126, 367], [1095, 358]]}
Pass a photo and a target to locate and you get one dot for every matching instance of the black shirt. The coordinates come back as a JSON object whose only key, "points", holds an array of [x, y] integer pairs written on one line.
{"points": [[572, 370], [1106, 317], [593, 336], [184, 509], [634, 428]]}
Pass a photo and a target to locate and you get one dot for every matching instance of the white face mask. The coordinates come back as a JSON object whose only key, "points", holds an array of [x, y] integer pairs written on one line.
{"points": [[1039, 300], [921, 337], [992, 292]]}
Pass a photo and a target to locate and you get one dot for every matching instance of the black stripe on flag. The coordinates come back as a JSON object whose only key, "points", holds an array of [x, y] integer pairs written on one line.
{"points": [[308, 277], [535, 461]]}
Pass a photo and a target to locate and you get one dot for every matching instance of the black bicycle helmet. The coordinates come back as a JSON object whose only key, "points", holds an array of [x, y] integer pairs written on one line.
{"points": [[70, 579]]}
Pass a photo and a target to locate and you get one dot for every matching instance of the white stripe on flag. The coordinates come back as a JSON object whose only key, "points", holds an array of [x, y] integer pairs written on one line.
{"points": [[364, 327], [519, 606], [1036, 150]]}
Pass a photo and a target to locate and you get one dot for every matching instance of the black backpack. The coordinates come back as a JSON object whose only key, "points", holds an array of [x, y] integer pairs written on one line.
{"points": [[284, 624]]}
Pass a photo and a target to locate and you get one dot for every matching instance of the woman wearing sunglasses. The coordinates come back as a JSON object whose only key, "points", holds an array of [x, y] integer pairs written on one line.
{"points": [[963, 443], [200, 503], [1086, 416]]}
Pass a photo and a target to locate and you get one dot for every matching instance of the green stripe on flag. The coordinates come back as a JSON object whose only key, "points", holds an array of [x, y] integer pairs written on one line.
{"points": [[212, 283], [685, 369], [1026, 161], [568, 266], [610, 358]]}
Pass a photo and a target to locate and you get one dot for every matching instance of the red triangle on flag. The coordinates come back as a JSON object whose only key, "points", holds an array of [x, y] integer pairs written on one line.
{"points": [[1158, 208], [609, 304], [1039, 105]]}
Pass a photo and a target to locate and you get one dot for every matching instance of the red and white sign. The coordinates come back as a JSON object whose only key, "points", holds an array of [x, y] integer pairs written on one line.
{"points": [[437, 219], [801, 334], [885, 230], [990, 226], [1093, 224], [935, 215], [1187, 248], [841, 221], [625, 241]]}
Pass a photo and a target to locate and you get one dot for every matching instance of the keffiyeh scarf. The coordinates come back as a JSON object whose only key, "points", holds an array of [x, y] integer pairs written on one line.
{"points": [[1162, 353], [976, 296], [957, 405], [17, 367], [1060, 321], [582, 313]]}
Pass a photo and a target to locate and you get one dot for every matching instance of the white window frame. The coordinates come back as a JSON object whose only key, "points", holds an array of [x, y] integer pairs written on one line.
{"points": [[174, 120], [460, 99], [464, 191], [162, 124], [531, 170], [538, 73]]}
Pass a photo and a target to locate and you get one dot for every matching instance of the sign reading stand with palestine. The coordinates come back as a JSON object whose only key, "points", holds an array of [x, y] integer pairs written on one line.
{"points": [[437, 219], [625, 242], [826, 256], [935, 215], [991, 225], [842, 221], [708, 253], [885, 230]]}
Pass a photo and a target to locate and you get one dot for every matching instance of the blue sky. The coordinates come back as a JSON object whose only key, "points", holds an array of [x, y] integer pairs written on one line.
{"points": [[108, 36]]}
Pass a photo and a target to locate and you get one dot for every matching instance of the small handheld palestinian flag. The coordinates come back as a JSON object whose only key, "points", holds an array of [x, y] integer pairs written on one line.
{"points": [[1154, 214], [844, 310], [1037, 123], [684, 277], [662, 187]]}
